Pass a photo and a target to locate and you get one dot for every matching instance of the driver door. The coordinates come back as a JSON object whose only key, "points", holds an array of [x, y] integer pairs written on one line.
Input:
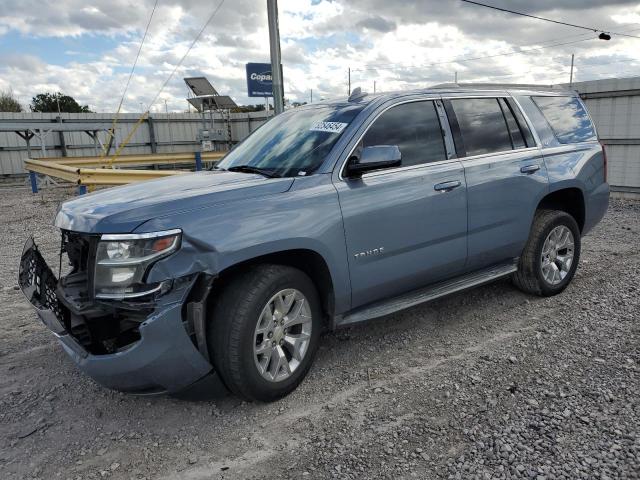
{"points": [[405, 226]]}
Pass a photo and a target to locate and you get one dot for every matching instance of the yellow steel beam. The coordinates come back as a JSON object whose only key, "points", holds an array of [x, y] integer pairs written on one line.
{"points": [[108, 176], [53, 170], [171, 158], [95, 176]]}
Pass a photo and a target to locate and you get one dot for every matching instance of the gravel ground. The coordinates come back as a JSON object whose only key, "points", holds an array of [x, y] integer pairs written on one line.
{"points": [[489, 383]]}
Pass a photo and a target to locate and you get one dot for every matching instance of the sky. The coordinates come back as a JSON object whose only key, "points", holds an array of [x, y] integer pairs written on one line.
{"points": [[86, 48]]}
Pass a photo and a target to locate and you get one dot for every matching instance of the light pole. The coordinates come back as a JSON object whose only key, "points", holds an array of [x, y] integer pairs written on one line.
{"points": [[276, 64]]}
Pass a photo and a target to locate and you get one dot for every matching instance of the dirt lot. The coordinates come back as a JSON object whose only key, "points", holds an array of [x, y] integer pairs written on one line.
{"points": [[490, 383]]}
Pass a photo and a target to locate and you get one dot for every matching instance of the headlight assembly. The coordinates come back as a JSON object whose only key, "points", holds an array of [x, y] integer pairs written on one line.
{"points": [[122, 261]]}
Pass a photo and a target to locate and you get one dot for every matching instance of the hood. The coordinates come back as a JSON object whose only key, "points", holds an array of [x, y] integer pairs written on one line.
{"points": [[122, 209]]}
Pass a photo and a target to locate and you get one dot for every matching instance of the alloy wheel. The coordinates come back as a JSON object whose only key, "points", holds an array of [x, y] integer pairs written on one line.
{"points": [[282, 335], [557, 255]]}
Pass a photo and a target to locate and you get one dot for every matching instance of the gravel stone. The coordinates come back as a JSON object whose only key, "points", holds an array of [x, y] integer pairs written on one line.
{"points": [[485, 384]]}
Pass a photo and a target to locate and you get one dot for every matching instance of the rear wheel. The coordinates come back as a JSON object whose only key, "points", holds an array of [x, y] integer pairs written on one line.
{"points": [[264, 331], [550, 257]]}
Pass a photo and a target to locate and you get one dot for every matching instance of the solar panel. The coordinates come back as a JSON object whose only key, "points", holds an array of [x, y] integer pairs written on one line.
{"points": [[212, 102], [200, 86]]}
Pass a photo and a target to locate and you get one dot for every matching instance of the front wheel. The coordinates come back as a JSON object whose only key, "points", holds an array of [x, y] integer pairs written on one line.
{"points": [[550, 257], [264, 331]]}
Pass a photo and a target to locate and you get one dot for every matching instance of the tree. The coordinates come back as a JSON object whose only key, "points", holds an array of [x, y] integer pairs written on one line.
{"points": [[248, 108], [8, 103], [57, 102]]}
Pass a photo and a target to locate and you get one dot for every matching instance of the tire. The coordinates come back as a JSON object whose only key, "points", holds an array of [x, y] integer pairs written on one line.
{"points": [[238, 316], [532, 277]]}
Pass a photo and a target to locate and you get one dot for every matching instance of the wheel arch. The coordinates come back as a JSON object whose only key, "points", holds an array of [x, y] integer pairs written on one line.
{"points": [[570, 200], [309, 261]]}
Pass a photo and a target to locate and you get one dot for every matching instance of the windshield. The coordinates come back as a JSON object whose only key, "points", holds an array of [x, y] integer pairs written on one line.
{"points": [[292, 143]]}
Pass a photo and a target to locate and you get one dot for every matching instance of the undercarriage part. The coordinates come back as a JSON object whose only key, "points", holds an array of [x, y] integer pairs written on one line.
{"points": [[196, 313]]}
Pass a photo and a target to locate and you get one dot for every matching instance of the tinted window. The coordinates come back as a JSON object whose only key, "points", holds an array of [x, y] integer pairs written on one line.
{"points": [[293, 143], [567, 118], [517, 141], [524, 128], [481, 125], [414, 127]]}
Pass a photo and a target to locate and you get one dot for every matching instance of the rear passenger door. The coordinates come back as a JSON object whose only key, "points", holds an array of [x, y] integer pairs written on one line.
{"points": [[405, 226], [505, 173]]}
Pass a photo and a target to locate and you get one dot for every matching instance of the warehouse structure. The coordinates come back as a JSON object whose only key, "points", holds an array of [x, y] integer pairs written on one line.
{"points": [[614, 105], [159, 133]]}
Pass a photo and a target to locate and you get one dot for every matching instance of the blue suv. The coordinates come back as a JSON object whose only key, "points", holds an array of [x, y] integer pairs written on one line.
{"points": [[329, 214]]}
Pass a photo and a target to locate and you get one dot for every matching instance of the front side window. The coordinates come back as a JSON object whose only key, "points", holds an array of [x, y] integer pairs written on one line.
{"points": [[567, 117], [293, 143], [481, 125], [414, 127]]}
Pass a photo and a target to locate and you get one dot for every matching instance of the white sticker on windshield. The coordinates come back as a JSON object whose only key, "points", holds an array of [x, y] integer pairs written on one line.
{"points": [[331, 127]]}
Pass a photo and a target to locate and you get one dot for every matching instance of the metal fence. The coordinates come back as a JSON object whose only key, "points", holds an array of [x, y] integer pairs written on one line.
{"points": [[614, 105], [160, 133]]}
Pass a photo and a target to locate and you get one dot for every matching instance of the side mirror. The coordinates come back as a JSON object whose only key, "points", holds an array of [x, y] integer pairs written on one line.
{"points": [[374, 158]]}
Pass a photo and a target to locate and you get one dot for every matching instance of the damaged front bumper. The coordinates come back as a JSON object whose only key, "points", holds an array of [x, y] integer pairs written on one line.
{"points": [[161, 354]]}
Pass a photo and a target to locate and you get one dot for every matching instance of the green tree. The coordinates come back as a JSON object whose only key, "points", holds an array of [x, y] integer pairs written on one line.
{"points": [[8, 103], [57, 102]]}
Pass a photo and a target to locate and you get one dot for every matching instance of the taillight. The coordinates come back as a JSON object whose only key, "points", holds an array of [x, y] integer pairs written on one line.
{"points": [[604, 161]]}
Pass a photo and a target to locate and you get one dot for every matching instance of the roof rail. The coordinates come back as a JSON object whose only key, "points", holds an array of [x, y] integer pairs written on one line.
{"points": [[503, 86]]}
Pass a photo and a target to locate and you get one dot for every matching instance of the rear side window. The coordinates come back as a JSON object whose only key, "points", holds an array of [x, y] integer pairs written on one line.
{"points": [[481, 126], [567, 117], [414, 127]]}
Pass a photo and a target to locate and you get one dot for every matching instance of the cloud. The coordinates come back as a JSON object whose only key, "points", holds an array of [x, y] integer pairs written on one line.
{"points": [[377, 23], [399, 45]]}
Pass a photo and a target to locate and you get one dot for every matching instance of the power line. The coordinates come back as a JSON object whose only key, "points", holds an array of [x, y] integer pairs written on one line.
{"points": [[135, 62], [546, 19], [126, 87], [146, 113], [393, 66], [179, 64]]}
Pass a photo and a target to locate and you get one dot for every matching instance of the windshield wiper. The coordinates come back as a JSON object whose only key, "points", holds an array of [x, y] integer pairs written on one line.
{"points": [[251, 169]]}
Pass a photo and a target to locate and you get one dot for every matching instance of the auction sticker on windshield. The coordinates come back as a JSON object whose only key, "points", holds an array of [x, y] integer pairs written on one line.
{"points": [[331, 127]]}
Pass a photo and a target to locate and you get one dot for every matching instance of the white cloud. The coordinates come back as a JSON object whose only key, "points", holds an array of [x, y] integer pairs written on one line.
{"points": [[398, 44]]}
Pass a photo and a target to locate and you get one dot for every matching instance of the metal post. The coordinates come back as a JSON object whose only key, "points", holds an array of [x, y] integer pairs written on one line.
{"points": [[63, 144], [349, 81], [198, 161], [152, 135], [34, 182], [276, 64], [571, 74], [166, 111]]}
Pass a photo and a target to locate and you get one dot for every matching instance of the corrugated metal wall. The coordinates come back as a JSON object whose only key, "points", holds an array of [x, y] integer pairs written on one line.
{"points": [[172, 132], [614, 105]]}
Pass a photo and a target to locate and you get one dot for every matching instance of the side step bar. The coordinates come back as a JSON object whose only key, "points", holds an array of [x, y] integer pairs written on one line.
{"points": [[416, 297]]}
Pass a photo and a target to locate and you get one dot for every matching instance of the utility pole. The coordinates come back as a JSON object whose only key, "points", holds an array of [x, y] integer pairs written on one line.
{"points": [[276, 63], [374, 86], [311, 96], [349, 82], [455, 77], [571, 74]]}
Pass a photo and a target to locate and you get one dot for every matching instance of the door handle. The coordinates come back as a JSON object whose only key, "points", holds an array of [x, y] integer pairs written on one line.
{"points": [[447, 186], [530, 169]]}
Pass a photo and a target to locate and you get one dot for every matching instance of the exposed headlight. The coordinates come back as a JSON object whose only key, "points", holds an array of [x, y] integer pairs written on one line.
{"points": [[122, 261]]}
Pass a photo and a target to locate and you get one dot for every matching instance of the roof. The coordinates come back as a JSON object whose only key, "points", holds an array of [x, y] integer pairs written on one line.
{"points": [[364, 98]]}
